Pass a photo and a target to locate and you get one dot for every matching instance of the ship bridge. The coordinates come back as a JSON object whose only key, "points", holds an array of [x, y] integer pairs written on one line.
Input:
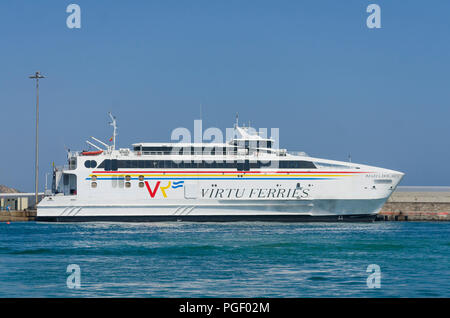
{"points": [[246, 142]]}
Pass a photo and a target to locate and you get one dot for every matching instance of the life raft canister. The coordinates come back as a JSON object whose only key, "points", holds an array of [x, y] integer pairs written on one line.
{"points": [[91, 153]]}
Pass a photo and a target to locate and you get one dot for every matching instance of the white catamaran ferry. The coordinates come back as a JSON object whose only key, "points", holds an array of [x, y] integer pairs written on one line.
{"points": [[244, 179]]}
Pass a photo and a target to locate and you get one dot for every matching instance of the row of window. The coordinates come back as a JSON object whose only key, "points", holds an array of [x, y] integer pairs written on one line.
{"points": [[253, 143], [114, 164], [119, 184], [141, 184], [120, 178], [188, 150], [90, 164], [206, 149]]}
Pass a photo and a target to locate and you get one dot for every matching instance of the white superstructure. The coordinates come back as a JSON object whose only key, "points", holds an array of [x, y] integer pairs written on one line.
{"points": [[245, 179]]}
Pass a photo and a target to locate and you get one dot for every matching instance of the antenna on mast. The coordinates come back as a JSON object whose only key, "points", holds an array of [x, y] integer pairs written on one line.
{"points": [[237, 120], [114, 124]]}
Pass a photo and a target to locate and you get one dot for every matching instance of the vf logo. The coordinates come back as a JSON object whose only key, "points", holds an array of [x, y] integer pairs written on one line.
{"points": [[374, 279], [74, 279]]}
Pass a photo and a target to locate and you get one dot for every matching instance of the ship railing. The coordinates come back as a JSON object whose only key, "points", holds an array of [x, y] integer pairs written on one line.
{"points": [[73, 154], [61, 168], [167, 153], [208, 153], [298, 153]]}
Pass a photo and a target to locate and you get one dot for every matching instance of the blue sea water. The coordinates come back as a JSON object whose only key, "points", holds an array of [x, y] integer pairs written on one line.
{"points": [[225, 260]]}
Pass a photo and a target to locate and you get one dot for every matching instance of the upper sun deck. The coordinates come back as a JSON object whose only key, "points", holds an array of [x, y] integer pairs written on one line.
{"points": [[247, 149], [205, 149], [246, 142]]}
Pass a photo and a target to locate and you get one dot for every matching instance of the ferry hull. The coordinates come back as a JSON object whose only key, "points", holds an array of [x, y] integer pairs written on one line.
{"points": [[270, 211], [212, 218]]}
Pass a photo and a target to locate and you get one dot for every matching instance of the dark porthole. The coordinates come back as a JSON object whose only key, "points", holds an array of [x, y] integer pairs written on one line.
{"points": [[90, 164]]}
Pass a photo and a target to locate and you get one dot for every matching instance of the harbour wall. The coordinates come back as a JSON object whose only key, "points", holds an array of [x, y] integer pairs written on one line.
{"points": [[17, 216], [417, 204]]}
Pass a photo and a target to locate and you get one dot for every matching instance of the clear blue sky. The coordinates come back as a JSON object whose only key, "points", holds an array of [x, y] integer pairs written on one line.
{"points": [[311, 68]]}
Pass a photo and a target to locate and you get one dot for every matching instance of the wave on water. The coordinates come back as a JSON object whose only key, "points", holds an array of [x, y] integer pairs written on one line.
{"points": [[225, 259]]}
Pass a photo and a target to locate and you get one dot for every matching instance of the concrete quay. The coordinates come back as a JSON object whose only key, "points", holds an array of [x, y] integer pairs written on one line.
{"points": [[17, 216], [417, 204]]}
